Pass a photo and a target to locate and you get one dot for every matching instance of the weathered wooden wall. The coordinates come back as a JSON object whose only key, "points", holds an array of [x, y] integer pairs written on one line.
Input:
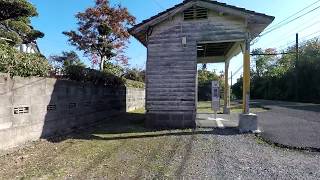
{"points": [[171, 85]]}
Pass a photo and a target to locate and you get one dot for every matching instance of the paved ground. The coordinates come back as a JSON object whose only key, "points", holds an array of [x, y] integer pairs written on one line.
{"points": [[124, 149], [207, 120], [291, 124]]}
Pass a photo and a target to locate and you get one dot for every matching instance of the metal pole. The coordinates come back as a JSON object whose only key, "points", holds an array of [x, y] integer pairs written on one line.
{"points": [[296, 63], [297, 48]]}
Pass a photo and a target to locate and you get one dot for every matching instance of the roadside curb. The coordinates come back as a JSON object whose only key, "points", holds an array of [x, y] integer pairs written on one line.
{"points": [[273, 143]]}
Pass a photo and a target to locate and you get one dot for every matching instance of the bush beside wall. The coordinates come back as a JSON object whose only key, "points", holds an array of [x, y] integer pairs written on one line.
{"points": [[22, 64]]}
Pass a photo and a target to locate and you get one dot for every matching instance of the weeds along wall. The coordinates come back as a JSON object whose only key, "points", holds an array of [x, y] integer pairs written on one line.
{"points": [[35, 107]]}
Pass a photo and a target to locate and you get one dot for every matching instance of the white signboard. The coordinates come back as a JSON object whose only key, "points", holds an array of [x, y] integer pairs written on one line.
{"points": [[215, 93]]}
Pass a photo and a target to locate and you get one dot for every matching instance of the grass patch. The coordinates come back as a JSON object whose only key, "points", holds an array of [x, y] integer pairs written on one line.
{"points": [[139, 111], [205, 107]]}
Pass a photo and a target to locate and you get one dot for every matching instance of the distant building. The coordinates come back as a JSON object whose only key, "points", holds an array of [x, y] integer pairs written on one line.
{"points": [[31, 48]]}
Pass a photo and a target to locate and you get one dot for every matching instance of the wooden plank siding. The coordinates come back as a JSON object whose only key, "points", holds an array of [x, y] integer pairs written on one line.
{"points": [[171, 84]]}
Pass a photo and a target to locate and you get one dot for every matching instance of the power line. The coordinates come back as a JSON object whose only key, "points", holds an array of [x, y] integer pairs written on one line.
{"points": [[310, 35], [274, 27], [292, 42], [281, 25], [238, 70], [158, 4], [293, 15], [292, 33]]}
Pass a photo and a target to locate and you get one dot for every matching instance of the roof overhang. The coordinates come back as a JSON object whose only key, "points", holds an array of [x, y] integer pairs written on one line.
{"points": [[217, 52], [256, 22]]}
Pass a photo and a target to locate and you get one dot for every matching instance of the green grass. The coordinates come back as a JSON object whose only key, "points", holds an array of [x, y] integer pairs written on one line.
{"points": [[139, 111], [205, 107]]}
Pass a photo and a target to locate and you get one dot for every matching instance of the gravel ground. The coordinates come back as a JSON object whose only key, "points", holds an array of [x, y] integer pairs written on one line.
{"points": [[136, 153], [232, 156]]}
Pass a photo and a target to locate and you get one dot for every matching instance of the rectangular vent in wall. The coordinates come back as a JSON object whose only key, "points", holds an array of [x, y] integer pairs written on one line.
{"points": [[51, 107], [72, 105], [195, 12], [21, 110]]}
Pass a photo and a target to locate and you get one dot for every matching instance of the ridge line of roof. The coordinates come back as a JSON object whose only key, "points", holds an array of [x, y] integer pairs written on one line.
{"points": [[208, 1]]}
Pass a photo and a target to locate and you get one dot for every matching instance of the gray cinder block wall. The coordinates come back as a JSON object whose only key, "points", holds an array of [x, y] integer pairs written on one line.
{"points": [[35, 107], [135, 98]]}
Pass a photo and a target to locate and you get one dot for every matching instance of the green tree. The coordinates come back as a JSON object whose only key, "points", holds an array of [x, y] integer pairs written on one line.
{"points": [[114, 69], [15, 22], [66, 59], [135, 74], [284, 78], [205, 78]]}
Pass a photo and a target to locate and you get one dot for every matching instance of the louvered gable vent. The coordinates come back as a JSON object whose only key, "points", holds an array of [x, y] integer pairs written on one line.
{"points": [[195, 12]]}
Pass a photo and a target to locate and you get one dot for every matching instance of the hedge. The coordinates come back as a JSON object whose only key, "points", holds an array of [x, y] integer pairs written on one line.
{"points": [[82, 74]]}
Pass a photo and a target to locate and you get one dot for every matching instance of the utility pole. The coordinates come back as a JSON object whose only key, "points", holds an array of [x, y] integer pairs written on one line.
{"points": [[296, 63], [297, 48]]}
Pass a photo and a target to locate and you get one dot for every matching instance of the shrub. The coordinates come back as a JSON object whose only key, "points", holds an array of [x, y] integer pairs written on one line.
{"points": [[134, 84], [111, 68], [22, 64], [135, 75], [82, 74]]}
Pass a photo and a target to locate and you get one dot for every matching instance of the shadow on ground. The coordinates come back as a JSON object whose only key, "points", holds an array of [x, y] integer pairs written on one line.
{"points": [[131, 126]]}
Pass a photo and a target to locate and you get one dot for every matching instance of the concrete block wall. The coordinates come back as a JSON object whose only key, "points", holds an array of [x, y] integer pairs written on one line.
{"points": [[35, 107], [135, 99]]}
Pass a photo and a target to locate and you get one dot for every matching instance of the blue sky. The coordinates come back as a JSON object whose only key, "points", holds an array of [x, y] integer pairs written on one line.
{"points": [[58, 16]]}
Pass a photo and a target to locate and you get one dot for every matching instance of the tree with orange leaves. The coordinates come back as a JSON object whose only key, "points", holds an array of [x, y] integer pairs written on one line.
{"points": [[103, 32]]}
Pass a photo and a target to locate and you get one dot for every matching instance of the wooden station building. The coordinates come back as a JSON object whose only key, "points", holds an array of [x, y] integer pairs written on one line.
{"points": [[192, 32]]}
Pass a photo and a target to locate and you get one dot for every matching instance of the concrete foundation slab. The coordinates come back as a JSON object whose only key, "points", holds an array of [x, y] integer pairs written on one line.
{"points": [[159, 120], [248, 123]]}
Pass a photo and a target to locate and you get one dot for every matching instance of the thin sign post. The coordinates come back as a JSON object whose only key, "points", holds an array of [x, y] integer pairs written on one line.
{"points": [[215, 93]]}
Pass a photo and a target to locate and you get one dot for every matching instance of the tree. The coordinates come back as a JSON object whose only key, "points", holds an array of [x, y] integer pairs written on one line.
{"points": [[15, 22], [65, 60], [205, 78], [103, 32], [284, 78], [114, 69], [135, 74]]}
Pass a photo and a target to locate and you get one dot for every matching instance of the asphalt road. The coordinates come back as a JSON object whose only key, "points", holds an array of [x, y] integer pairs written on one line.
{"points": [[291, 124]]}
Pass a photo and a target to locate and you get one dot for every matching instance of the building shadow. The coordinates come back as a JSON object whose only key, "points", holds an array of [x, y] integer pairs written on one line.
{"points": [[68, 106], [57, 110], [131, 126]]}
